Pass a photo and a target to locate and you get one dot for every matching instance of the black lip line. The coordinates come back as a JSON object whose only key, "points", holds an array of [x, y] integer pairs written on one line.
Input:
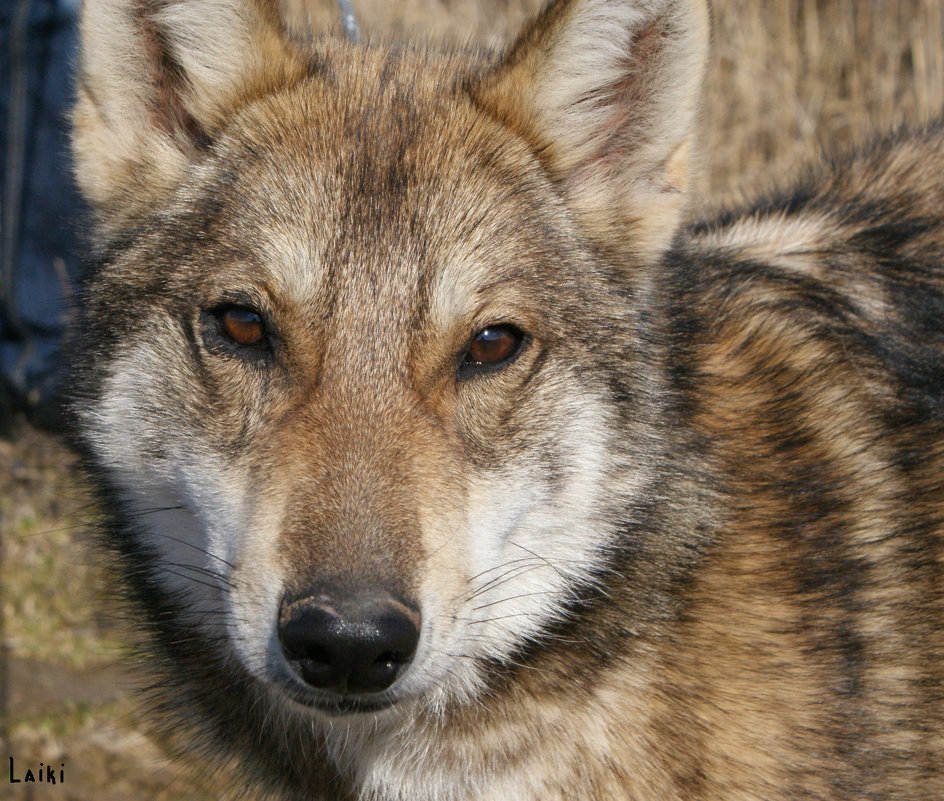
{"points": [[340, 706]]}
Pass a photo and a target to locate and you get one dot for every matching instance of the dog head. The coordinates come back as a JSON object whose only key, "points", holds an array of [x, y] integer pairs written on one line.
{"points": [[370, 374]]}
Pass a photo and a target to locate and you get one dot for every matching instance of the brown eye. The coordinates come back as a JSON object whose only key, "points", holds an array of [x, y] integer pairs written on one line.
{"points": [[493, 346], [243, 326]]}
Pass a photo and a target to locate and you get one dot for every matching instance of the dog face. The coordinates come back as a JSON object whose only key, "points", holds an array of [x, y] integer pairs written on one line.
{"points": [[434, 476], [359, 357]]}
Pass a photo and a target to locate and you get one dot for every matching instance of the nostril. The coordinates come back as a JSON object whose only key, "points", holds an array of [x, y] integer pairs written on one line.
{"points": [[318, 667], [348, 642], [318, 654], [391, 656], [301, 639]]}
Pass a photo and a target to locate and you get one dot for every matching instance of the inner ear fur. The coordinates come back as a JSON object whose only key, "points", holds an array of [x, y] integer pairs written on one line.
{"points": [[607, 92], [157, 79]]}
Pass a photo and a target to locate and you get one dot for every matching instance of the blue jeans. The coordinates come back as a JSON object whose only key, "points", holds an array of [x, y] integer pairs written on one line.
{"points": [[40, 207]]}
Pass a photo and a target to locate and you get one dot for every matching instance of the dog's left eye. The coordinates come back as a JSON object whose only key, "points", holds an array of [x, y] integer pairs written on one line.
{"points": [[493, 347]]}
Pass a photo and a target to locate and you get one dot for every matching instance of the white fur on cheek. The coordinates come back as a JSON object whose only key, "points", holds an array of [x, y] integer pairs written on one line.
{"points": [[185, 509], [529, 543], [213, 538]]}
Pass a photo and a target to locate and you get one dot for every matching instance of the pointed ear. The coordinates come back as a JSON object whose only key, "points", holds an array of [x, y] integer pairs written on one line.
{"points": [[157, 79], [606, 92]]}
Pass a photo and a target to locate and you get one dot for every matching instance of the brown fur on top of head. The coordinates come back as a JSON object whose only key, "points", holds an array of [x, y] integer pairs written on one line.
{"points": [[605, 93]]}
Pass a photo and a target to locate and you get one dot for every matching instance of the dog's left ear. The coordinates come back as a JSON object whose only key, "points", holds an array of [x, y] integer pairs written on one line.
{"points": [[606, 92]]}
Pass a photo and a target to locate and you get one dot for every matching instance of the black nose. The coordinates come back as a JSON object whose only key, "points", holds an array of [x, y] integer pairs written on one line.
{"points": [[348, 640]]}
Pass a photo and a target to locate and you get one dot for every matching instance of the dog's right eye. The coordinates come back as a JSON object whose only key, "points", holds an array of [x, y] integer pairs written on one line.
{"points": [[237, 330], [242, 326]]}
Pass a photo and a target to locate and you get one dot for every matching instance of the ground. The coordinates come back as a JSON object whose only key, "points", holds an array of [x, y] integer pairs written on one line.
{"points": [[70, 686]]}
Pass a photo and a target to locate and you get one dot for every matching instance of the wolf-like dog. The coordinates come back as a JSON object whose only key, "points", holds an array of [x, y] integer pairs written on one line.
{"points": [[443, 461]]}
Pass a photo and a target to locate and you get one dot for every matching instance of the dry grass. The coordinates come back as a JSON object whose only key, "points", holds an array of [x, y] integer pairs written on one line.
{"points": [[70, 693], [788, 78]]}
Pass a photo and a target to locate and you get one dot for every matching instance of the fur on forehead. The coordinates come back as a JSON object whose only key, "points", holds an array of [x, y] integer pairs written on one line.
{"points": [[603, 92]]}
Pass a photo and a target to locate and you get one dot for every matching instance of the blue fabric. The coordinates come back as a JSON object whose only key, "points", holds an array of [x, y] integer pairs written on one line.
{"points": [[39, 242]]}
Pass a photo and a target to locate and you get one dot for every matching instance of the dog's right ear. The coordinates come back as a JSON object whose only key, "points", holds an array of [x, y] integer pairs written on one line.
{"points": [[157, 79]]}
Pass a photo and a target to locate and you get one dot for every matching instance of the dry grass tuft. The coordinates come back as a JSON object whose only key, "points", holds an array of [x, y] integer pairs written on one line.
{"points": [[790, 79]]}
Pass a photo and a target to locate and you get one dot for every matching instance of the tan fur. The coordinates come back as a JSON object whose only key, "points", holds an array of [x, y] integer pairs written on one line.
{"points": [[683, 543], [132, 115]]}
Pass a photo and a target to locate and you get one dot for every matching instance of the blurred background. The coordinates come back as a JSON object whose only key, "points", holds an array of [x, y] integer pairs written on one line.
{"points": [[788, 80]]}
